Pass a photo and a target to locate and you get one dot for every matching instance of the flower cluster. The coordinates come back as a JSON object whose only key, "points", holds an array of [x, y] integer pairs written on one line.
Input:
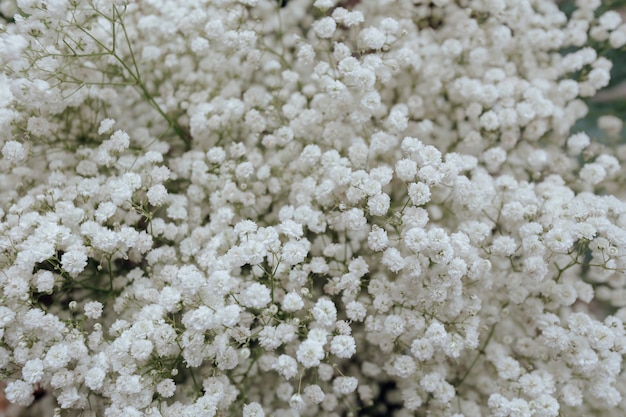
{"points": [[251, 207]]}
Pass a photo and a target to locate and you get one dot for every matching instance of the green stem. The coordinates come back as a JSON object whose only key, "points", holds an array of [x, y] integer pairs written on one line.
{"points": [[480, 352]]}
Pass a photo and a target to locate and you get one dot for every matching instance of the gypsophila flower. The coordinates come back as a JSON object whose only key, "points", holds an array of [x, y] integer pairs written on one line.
{"points": [[310, 353], [393, 259], [157, 194], [576, 143], [372, 38], [105, 126], [296, 402], [33, 371], [292, 302], [325, 27], [93, 309], [325, 312], [314, 394], [13, 151], [256, 296], [345, 385], [166, 388], [251, 190], [422, 349], [592, 173], [355, 311], [419, 193], [286, 366], [253, 409], [19, 392], [343, 346]]}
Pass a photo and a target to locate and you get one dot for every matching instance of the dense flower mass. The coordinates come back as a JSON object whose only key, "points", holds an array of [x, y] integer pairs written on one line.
{"points": [[316, 208]]}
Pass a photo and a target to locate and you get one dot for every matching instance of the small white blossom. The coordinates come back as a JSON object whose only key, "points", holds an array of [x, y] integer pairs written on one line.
{"points": [[372, 38], [325, 312], [253, 409], [343, 346], [14, 151], [105, 126], [286, 366], [256, 296], [157, 194], [93, 309], [166, 388], [345, 385], [325, 27], [292, 302], [310, 353]]}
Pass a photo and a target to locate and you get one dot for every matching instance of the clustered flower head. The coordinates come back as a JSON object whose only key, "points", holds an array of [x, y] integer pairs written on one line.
{"points": [[261, 208]]}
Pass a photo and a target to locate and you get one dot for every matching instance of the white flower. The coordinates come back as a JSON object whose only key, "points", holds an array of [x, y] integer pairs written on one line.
{"points": [[93, 309], [489, 120], [269, 338], [216, 155], [354, 219], [599, 78], [20, 393], [436, 334], [291, 229], [379, 204], [544, 406], [345, 384], [6, 316], [419, 193], [166, 388], [403, 366], [105, 126], [393, 259], [592, 173], [372, 38], [306, 54], [377, 239], [296, 402], [310, 353], [130, 384], [325, 312], [422, 349], [253, 409], [57, 356], [286, 366], [324, 4], [256, 295], [494, 158], [508, 368], [294, 252], [13, 151], [44, 281], [69, 397], [503, 245], [201, 319], [118, 142], [610, 20], [356, 311], [394, 325], [94, 378], [157, 194], [406, 169], [33, 371], [314, 394], [325, 27], [572, 395], [292, 302], [353, 18], [141, 349], [343, 346]]}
